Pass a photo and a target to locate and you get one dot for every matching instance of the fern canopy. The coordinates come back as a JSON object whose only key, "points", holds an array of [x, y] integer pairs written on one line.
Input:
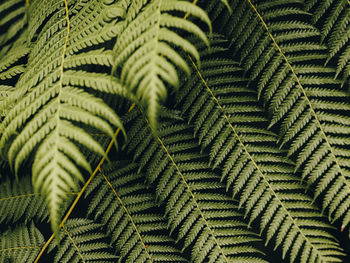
{"points": [[174, 131]]}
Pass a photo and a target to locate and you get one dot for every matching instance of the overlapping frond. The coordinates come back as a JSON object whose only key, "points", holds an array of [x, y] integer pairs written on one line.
{"points": [[20, 244], [205, 221], [146, 58], [54, 98], [82, 240], [19, 201], [129, 213], [228, 120], [282, 57], [332, 17]]}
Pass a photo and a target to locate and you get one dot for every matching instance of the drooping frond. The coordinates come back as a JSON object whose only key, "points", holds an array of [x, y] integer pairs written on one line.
{"points": [[54, 98], [146, 58], [228, 120], [20, 244], [13, 20], [129, 213], [19, 201], [332, 17], [204, 220], [282, 57], [82, 241]]}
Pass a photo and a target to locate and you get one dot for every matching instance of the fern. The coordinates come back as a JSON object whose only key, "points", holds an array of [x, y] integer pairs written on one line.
{"points": [[13, 19], [145, 56], [137, 233], [227, 119], [50, 101], [21, 244], [82, 242], [240, 150], [18, 200], [303, 99], [185, 184], [333, 19]]}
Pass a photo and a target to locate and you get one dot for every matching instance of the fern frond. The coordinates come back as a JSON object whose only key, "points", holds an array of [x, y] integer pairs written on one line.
{"points": [[297, 93], [53, 98], [19, 201], [204, 220], [333, 19], [128, 212], [20, 244], [144, 50], [82, 241], [13, 20], [228, 121]]}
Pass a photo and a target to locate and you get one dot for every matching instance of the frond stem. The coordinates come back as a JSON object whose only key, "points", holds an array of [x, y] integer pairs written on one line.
{"points": [[304, 93], [16, 248], [249, 155], [27, 195], [128, 214], [19, 196], [75, 245]]}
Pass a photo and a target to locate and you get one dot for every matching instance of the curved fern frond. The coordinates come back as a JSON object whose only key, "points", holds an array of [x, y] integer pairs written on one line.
{"points": [[82, 241], [21, 244], [51, 103], [333, 19], [304, 100], [205, 221], [145, 54], [128, 212], [19, 201], [228, 120]]}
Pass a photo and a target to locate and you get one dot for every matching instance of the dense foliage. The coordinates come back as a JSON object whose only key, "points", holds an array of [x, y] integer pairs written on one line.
{"points": [[174, 131]]}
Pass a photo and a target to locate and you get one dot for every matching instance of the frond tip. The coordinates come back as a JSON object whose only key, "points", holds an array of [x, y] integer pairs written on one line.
{"points": [[145, 54]]}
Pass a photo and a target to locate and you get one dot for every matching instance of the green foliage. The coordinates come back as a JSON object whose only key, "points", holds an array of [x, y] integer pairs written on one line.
{"points": [[235, 142], [303, 99], [205, 220], [228, 120], [137, 232], [20, 244], [145, 48], [333, 20], [18, 200], [82, 241]]}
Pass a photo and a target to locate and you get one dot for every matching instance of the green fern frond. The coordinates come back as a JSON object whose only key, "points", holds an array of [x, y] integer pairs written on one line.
{"points": [[300, 99], [82, 241], [204, 220], [228, 121], [145, 54], [20, 244], [333, 19], [51, 102], [19, 201], [137, 232], [13, 19]]}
